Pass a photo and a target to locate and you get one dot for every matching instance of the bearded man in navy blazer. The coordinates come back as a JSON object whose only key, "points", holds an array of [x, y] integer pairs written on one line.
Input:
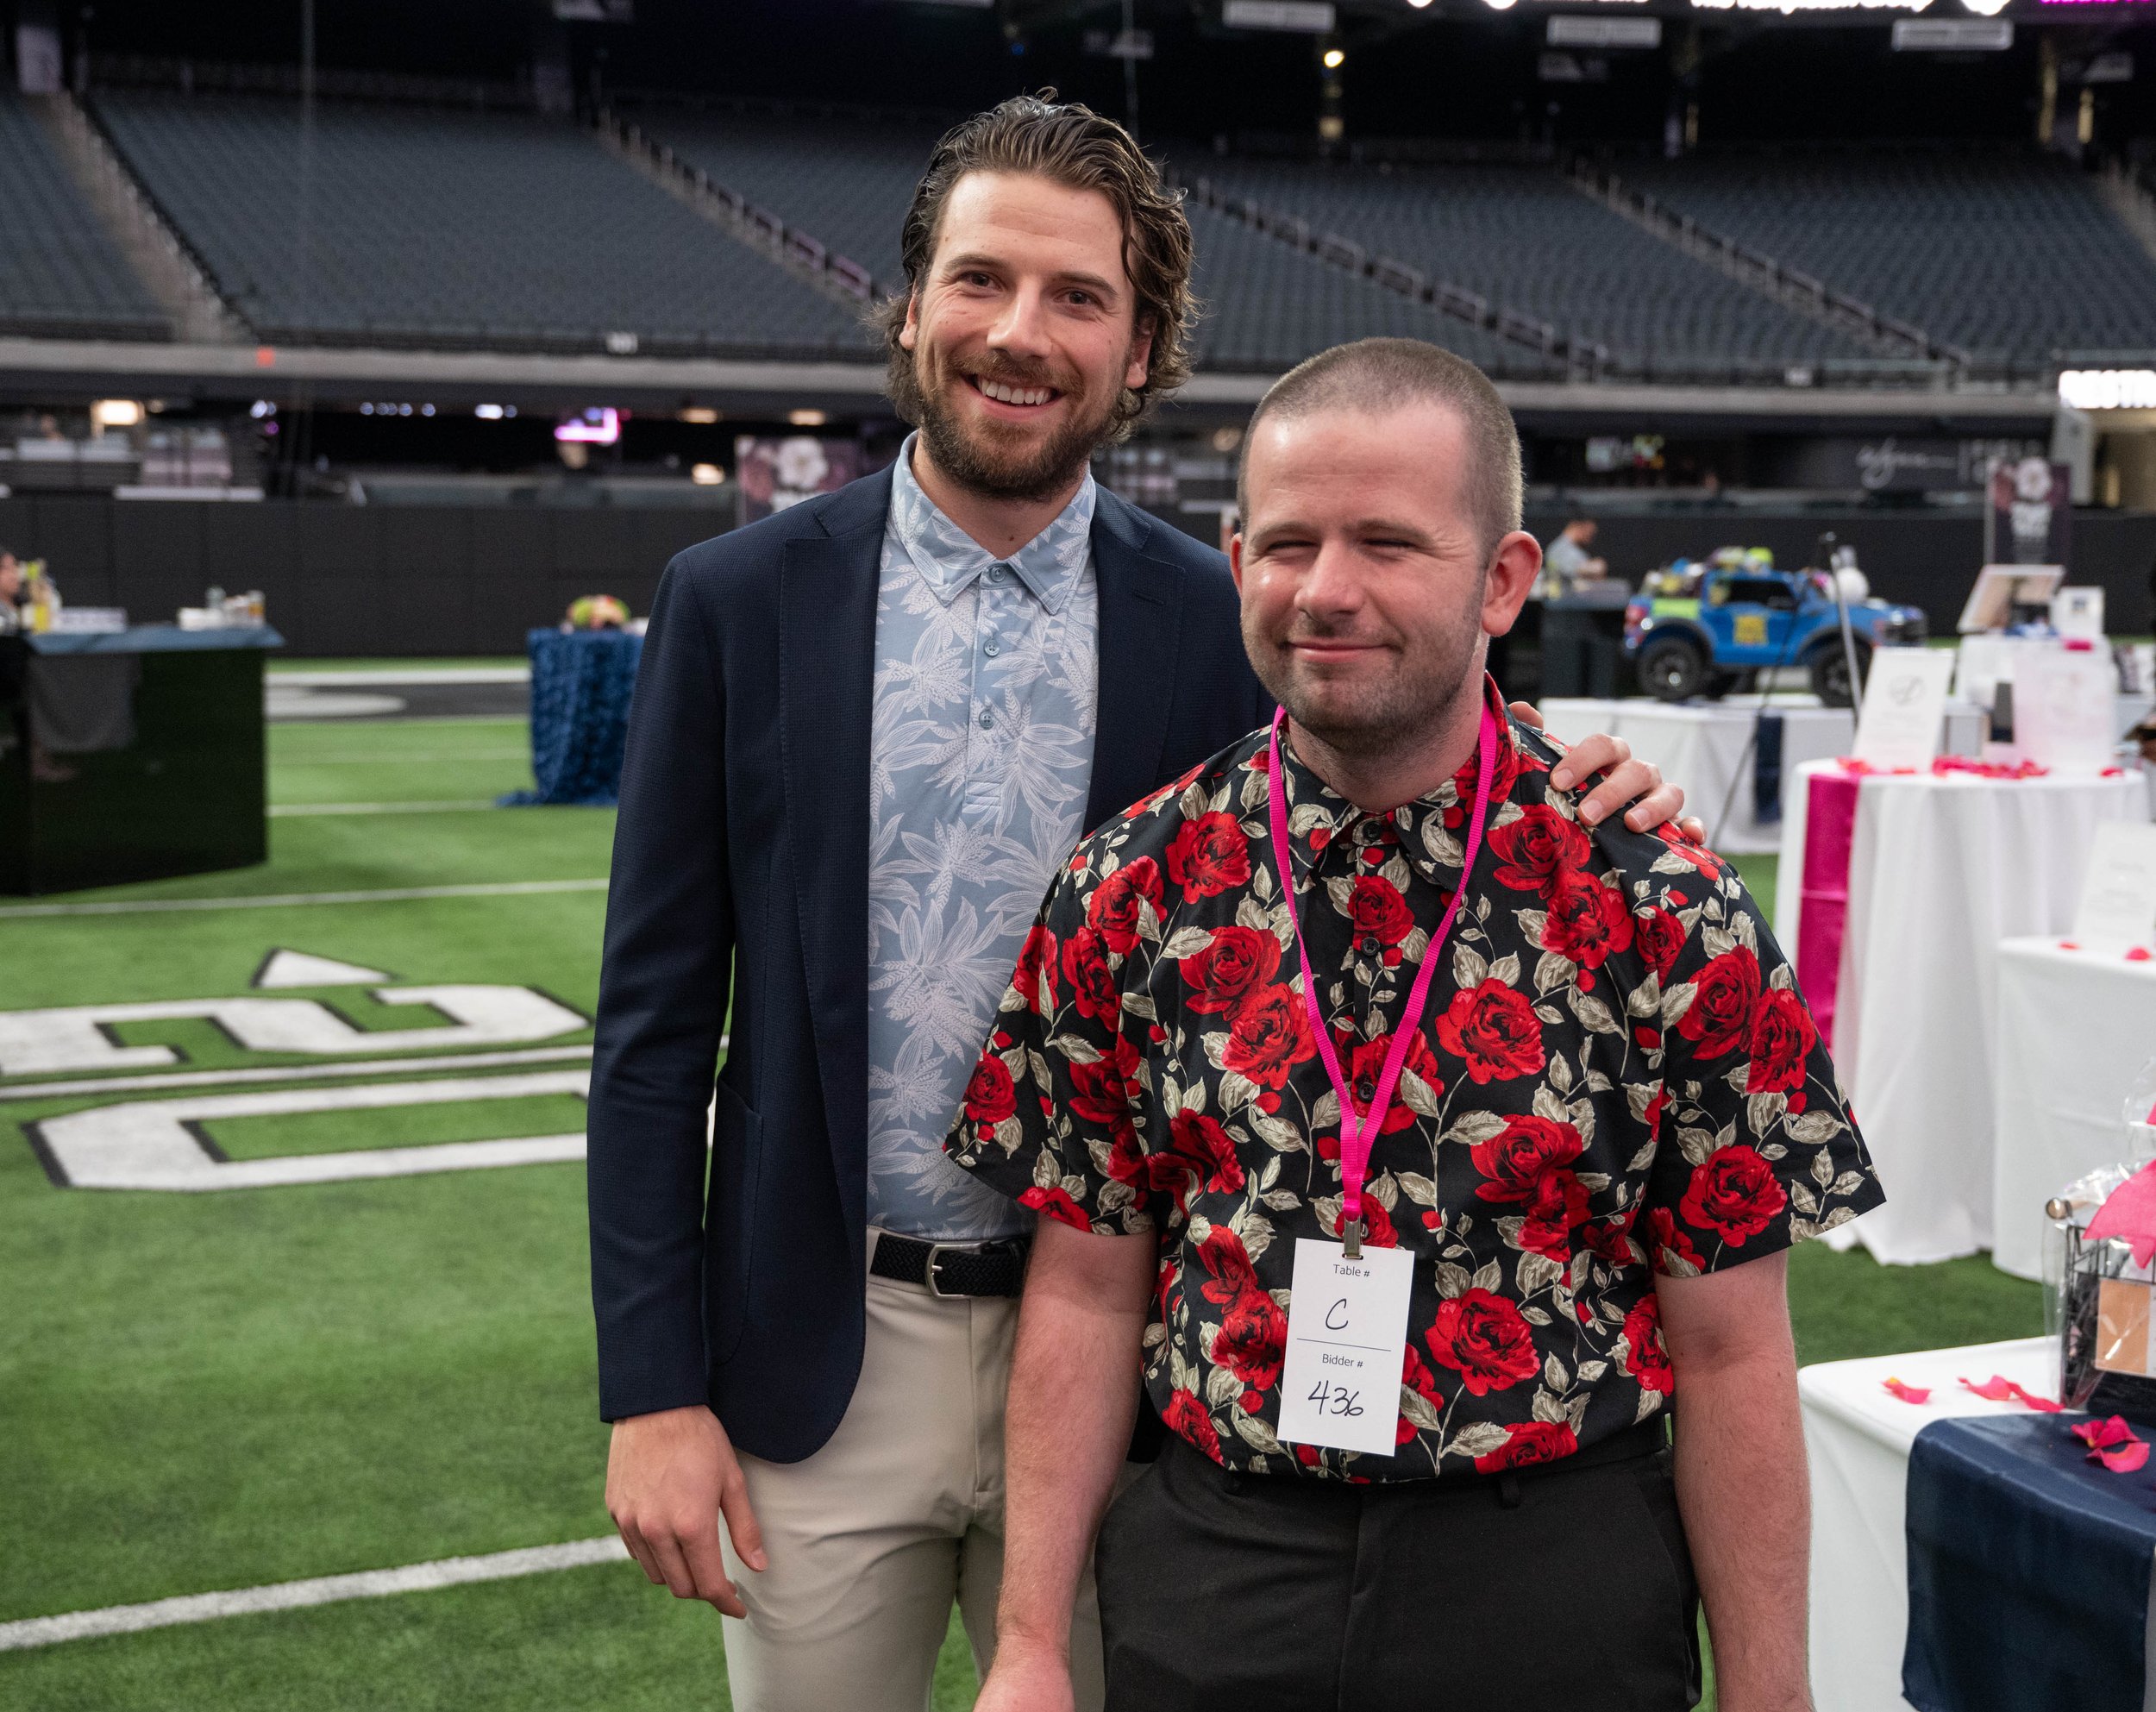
{"points": [[866, 733]]}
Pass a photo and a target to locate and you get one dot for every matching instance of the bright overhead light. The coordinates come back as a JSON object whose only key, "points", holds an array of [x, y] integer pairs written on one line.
{"points": [[487, 412], [1499, 5], [1985, 8], [1418, 4], [698, 413], [1334, 59], [706, 475], [115, 412], [805, 418]]}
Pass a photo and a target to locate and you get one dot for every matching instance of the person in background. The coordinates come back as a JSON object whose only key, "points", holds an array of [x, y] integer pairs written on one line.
{"points": [[1566, 562], [12, 585]]}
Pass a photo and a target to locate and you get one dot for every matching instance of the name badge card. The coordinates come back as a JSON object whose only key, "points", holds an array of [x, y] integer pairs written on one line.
{"points": [[1347, 1340], [2118, 894], [1904, 705]]}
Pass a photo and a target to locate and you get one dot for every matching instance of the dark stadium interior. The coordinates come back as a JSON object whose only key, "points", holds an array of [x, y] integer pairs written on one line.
{"points": [[1745, 278]]}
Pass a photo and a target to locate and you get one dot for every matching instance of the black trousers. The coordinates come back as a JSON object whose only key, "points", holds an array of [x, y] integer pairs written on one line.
{"points": [[1567, 1587]]}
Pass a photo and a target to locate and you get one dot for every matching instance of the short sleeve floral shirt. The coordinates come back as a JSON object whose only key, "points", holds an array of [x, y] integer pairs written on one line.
{"points": [[1615, 1076]]}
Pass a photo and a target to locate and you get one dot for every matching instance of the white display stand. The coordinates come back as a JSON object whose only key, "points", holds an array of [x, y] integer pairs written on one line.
{"points": [[1857, 1439], [2074, 1029], [1703, 745], [1941, 868]]}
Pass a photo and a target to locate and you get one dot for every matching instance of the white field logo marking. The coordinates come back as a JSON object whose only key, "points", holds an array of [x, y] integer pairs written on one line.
{"points": [[159, 1144]]}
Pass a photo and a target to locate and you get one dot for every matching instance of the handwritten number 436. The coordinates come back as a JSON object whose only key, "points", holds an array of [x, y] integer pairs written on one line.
{"points": [[1333, 1399]]}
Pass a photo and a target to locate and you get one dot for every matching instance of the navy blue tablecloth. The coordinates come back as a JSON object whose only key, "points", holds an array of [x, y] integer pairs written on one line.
{"points": [[2028, 1571], [580, 684]]}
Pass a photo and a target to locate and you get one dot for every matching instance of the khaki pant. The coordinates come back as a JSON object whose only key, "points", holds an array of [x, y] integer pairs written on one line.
{"points": [[872, 1539]]}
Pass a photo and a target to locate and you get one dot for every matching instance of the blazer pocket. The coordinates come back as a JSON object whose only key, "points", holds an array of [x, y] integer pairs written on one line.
{"points": [[730, 1221]]}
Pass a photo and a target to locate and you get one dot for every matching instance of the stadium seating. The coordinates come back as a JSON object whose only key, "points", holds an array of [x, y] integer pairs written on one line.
{"points": [[1268, 306], [463, 229], [1525, 239], [60, 275], [2008, 254], [844, 183]]}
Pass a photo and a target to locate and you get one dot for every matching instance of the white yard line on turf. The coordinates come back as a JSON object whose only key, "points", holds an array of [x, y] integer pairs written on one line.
{"points": [[288, 811], [289, 1596], [507, 888], [453, 674], [445, 757], [450, 1061]]}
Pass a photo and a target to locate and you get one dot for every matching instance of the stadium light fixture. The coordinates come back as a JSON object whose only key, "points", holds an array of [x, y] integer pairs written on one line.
{"points": [[1499, 5], [1985, 8], [706, 475], [487, 412], [115, 412], [806, 419], [1334, 59], [702, 415], [1419, 5]]}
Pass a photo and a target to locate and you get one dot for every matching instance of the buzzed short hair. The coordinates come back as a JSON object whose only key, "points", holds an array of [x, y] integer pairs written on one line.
{"points": [[1376, 375]]}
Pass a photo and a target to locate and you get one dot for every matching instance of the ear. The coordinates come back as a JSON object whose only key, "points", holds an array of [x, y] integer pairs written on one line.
{"points": [[1141, 363], [909, 334], [1235, 559], [1511, 574]]}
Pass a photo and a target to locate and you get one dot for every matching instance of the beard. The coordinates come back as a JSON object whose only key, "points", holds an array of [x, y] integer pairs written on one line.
{"points": [[1379, 713], [980, 459]]}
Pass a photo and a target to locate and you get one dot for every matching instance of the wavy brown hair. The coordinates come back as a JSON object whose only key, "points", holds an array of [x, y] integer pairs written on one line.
{"points": [[1073, 146]]}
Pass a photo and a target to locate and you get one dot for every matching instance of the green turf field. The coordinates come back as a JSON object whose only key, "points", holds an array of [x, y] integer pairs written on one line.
{"points": [[210, 1391]]}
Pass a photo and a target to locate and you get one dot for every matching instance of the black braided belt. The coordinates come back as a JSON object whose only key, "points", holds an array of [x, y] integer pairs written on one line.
{"points": [[996, 1269]]}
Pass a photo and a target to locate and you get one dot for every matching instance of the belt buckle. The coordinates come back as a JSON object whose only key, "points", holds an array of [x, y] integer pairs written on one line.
{"points": [[936, 1252]]}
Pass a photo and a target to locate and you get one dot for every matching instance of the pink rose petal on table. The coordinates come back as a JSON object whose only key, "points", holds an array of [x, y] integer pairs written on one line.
{"points": [[2113, 1443], [2041, 1405], [1996, 1389], [1909, 1394], [2137, 953]]}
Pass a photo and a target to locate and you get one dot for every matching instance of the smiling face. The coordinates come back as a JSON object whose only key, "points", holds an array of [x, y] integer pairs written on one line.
{"points": [[1366, 588], [1023, 333]]}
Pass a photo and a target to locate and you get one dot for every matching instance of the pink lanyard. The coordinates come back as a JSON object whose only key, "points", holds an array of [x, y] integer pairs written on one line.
{"points": [[1354, 1143]]}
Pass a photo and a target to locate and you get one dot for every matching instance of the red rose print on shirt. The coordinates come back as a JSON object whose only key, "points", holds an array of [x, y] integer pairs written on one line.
{"points": [[1378, 911], [1188, 1419], [1659, 936], [1235, 962], [1534, 850], [1363, 1062], [1114, 907], [1518, 1157], [1720, 1019], [1418, 1378], [1647, 1360], [1495, 1029], [1268, 1033], [1253, 1332], [1093, 983], [1531, 1442], [1209, 854], [1199, 1154], [1588, 921], [1698, 855], [1668, 1241], [1100, 1092], [1735, 1193], [1057, 1204], [1036, 977], [1485, 1340], [1783, 1036], [989, 1096]]}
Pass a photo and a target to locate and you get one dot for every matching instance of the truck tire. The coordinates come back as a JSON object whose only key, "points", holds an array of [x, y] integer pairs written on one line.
{"points": [[1830, 672], [1672, 667]]}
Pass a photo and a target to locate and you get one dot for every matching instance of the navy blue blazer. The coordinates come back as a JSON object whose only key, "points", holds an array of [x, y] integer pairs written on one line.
{"points": [[741, 857]]}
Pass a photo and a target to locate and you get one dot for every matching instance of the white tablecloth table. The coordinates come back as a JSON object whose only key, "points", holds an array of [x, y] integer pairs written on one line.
{"points": [[1941, 868], [1856, 1438], [1705, 746], [2074, 1029]]}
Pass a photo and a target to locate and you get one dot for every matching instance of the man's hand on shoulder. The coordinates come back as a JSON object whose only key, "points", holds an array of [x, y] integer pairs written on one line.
{"points": [[1629, 780], [1026, 1677], [670, 1477]]}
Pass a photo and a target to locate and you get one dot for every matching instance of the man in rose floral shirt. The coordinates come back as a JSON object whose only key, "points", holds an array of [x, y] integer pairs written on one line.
{"points": [[1611, 1121]]}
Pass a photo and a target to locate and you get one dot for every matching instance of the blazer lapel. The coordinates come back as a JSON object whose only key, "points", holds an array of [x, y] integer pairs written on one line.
{"points": [[1141, 621], [827, 640]]}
